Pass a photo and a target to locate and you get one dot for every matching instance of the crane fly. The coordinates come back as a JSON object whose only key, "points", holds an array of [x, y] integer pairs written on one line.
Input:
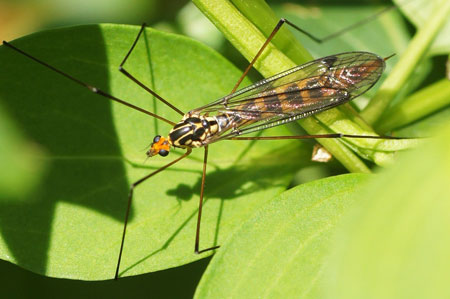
{"points": [[297, 93]]}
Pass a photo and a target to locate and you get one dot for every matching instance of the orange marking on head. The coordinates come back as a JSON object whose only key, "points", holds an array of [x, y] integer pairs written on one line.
{"points": [[162, 144]]}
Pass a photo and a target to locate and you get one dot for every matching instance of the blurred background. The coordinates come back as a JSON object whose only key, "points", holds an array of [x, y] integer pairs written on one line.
{"points": [[22, 17]]}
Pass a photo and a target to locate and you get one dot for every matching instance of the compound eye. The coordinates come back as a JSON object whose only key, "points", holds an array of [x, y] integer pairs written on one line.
{"points": [[156, 139], [163, 152]]}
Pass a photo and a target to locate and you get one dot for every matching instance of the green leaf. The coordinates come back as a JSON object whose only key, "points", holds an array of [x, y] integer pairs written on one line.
{"points": [[419, 13], [279, 252], [396, 242], [72, 225]]}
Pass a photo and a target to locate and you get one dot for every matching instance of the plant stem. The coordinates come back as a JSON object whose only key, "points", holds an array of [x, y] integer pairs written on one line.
{"points": [[258, 12], [416, 106]]}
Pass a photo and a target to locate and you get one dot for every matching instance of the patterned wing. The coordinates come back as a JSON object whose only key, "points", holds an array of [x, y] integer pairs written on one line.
{"points": [[297, 93]]}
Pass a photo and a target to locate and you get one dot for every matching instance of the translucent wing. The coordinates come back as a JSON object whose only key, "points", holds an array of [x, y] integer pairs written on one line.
{"points": [[297, 93]]}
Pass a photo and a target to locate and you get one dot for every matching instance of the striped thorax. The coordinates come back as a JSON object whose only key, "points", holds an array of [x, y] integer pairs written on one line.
{"points": [[192, 131]]}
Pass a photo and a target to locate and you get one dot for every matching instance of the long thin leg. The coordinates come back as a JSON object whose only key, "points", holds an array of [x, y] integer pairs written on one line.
{"points": [[130, 197], [314, 38], [343, 30], [123, 71], [90, 87], [200, 206], [274, 31], [334, 135]]}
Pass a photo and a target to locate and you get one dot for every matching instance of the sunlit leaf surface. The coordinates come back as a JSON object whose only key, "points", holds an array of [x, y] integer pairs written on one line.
{"points": [[279, 252], [398, 237], [72, 225]]}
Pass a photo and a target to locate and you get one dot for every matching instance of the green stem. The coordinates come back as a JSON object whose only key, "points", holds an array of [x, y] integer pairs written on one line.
{"points": [[241, 32], [258, 12], [408, 61], [416, 106]]}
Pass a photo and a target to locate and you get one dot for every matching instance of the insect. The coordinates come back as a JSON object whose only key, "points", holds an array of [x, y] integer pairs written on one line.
{"points": [[296, 93]]}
